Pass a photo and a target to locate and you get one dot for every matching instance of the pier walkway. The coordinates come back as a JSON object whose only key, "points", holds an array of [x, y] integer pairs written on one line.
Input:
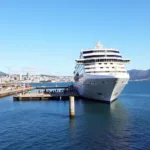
{"points": [[44, 93], [43, 96], [51, 87], [4, 93]]}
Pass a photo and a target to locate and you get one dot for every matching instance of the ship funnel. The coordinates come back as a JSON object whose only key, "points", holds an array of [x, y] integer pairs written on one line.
{"points": [[99, 45]]}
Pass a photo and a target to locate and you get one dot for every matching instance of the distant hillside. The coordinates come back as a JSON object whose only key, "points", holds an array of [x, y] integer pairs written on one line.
{"points": [[2, 73], [139, 74]]}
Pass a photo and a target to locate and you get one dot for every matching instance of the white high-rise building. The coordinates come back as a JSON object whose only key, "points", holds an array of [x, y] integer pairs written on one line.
{"points": [[28, 75], [20, 77]]}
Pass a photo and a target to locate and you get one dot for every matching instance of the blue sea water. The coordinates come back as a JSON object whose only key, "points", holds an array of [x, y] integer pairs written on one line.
{"points": [[45, 125]]}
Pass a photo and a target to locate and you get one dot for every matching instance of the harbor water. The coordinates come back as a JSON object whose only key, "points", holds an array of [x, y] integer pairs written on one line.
{"points": [[45, 125]]}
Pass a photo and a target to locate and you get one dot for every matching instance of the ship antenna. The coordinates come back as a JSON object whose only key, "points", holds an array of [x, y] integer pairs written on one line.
{"points": [[99, 45]]}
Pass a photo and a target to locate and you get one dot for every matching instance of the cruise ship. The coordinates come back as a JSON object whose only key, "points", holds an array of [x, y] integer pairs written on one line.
{"points": [[100, 73]]}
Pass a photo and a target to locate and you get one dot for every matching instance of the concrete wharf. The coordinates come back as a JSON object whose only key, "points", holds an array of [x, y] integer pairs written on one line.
{"points": [[48, 93], [52, 87], [69, 93], [5, 93], [43, 96]]}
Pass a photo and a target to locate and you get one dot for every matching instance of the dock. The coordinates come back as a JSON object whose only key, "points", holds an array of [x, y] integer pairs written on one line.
{"points": [[23, 90], [15, 91], [51, 87], [43, 96], [66, 93]]}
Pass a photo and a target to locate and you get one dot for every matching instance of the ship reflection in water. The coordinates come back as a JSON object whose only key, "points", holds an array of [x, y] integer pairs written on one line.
{"points": [[100, 125]]}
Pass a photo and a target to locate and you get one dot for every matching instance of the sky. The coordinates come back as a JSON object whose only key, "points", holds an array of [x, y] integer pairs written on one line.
{"points": [[46, 36]]}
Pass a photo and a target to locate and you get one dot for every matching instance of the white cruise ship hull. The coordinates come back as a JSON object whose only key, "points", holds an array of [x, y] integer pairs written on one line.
{"points": [[104, 88]]}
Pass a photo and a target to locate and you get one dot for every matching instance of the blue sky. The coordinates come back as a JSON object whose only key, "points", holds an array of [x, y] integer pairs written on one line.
{"points": [[48, 34]]}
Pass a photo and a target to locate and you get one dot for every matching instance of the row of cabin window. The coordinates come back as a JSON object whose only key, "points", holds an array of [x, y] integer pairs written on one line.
{"points": [[105, 67], [97, 51], [103, 60], [102, 64], [102, 56], [104, 71], [110, 64]]}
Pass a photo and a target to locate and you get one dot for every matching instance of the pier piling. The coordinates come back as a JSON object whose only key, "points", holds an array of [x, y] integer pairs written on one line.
{"points": [[71, 107], [20, 98]]}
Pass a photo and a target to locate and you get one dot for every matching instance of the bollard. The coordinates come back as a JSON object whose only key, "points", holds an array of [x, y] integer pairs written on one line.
{"points": [[71, 107]]}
